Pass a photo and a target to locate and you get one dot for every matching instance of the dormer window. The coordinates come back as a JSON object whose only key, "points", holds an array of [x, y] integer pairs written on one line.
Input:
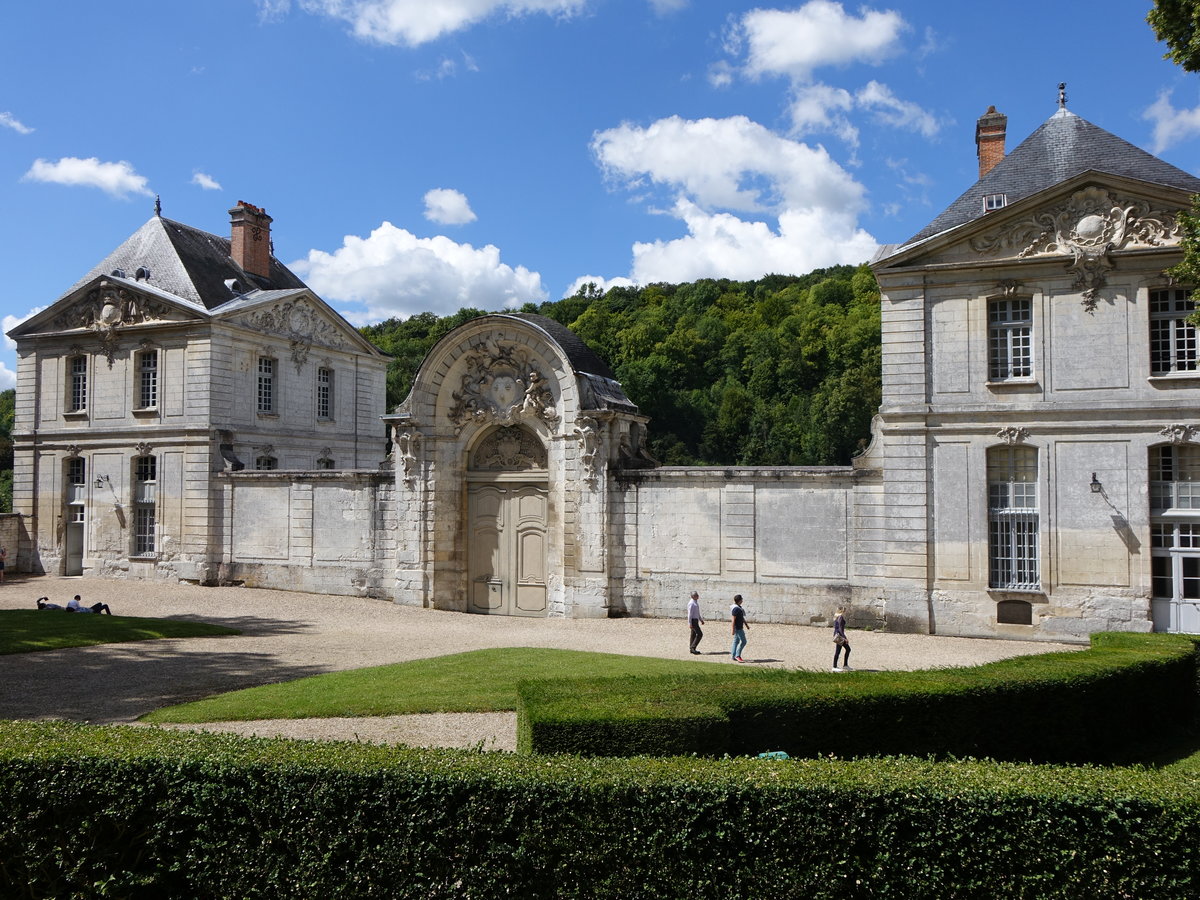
{"points": [[994, 201]]}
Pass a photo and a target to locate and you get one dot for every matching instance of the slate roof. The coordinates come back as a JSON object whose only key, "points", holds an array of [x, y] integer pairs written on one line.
{"points": [[1063, 147], [582, 357], [187, 262]]}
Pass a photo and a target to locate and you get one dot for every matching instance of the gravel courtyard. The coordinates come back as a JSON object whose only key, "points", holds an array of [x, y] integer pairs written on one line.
{"points": [[288, 635]]}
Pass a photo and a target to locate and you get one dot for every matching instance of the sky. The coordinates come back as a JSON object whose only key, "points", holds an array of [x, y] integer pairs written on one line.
{"points": [[426, 155]]}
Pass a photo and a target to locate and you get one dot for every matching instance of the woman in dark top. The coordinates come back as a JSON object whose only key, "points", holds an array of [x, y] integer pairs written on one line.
{"points": [[738, 626]]}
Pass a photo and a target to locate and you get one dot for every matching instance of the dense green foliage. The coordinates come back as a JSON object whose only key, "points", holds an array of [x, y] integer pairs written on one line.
{"points": [[28, 630], [144, 813], [784, 370], [1177, 23], [8, 400], [476, 681], [1119, 700]]}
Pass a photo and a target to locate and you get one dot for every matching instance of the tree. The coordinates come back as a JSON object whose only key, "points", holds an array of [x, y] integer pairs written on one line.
{"points": [[1177, 23]]}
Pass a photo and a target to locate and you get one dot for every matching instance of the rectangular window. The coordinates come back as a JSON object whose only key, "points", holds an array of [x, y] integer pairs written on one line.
{"points": [[147, 375], [1172, 337], [1010, 339], [76, 479], [145, 505], [324, 463], [1174, 478], [77, 399], [1013, 518], [324, 393], [266, 384], [994, 201], [265, 463]]}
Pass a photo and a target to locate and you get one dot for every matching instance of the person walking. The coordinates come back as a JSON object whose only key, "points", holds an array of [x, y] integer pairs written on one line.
{"points": [[695, 620], [3, 562], [840, 641], [738, 626]]}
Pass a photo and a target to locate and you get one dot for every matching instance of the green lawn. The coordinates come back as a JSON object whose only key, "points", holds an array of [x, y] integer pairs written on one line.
{"points": [[478, 681], [29, 630]]}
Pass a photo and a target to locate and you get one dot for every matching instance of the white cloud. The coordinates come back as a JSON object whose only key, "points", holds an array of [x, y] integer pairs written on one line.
{"points": [[117, 179], [8, 378], [8, 323], [735, 164], [1171, 125], [819, 33], [819, 107], [731, 163], [415, 22], [720, 74], [448, 207], [392, 272], [9, 121], [206, 181], [663, 7], [602, 284], [723, 246], [891, 110]]}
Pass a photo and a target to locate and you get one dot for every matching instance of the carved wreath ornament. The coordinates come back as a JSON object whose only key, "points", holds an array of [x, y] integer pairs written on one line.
{"points": [[1089, 226], [300, 323], [501, 385]]}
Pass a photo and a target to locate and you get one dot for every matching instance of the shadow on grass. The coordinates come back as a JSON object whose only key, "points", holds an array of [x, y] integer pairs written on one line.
{"points": [[108, 683]]}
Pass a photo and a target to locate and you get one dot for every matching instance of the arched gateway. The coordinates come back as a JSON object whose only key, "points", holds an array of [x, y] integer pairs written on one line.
{"points": [[502, 453]]}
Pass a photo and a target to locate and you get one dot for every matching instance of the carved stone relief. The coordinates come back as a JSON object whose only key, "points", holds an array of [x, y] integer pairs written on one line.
{"points": [[1088, 227], [587, 430], [510, 448], [502, 385], [298, 321], [408, 444], [1178, 434], [107, 309], [1013, 434]]}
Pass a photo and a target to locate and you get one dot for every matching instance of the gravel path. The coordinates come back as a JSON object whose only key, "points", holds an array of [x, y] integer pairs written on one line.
{"points": [[287, 635]]}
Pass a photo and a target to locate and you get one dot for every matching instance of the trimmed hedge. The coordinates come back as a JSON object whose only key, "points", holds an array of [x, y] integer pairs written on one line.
{"points": [[144, 813], [1114, 702]]}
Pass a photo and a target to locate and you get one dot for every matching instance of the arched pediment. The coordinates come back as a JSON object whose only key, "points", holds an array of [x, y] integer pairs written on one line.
{"points": [[508, 448]]}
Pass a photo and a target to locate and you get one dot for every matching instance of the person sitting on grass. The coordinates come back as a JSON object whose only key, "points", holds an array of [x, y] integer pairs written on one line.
{"points": [[76, 606], [44, 603]]}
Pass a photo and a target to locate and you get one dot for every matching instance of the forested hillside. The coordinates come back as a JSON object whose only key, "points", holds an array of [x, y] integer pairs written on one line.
{"points": [[784, 370], [8, 401]]}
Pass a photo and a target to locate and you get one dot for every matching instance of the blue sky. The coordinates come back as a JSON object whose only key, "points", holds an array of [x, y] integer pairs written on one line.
{"points": [[433, 154]]}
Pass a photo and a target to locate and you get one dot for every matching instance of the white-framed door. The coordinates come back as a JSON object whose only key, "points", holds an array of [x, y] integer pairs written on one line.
{"points": [[76, 531]]}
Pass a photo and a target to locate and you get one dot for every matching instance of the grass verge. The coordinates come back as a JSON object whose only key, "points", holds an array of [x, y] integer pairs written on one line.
{"points": [[31, 630], [477, 681]]}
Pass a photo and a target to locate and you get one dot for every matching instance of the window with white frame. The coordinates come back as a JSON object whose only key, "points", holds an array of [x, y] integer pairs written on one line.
{"points": [[1172, 337], [994, 201], [265, 463], [147, 379], [76, 479], [1012, 474], [1010, 339], [324, 393], [77, 384], [1169, 566], [145, 505], [266, 384], [1174, 478]]}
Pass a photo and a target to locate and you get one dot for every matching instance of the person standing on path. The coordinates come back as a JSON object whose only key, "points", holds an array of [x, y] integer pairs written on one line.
{"points": [[840, 641], [695, 620], [738, 626], [3, 562]]}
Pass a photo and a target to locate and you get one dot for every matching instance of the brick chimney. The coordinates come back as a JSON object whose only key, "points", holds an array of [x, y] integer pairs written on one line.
{"points": [[989, 139], [250, 239]]}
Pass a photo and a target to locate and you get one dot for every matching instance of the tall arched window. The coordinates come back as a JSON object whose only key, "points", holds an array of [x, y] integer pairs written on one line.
{"points": [[1012, 474]]}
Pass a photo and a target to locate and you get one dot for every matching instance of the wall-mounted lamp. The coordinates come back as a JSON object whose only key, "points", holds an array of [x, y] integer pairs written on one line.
{"points": [[1096, 486], [101, 480]]}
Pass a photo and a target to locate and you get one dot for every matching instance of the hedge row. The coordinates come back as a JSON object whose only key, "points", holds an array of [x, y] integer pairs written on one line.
{"points": [[1115, 702], [144, 813]]}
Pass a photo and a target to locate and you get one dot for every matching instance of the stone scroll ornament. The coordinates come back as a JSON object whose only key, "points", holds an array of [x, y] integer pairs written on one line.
{"points": [[408, 444], [106, 310], [300, 323], [1089, 227], [502, 385], [587, 430], [1013, 434], [1178, 433]]}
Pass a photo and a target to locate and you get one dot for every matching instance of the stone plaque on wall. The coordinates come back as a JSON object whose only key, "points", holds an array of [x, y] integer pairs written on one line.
{"points": [[801, 532], [679, 530]]}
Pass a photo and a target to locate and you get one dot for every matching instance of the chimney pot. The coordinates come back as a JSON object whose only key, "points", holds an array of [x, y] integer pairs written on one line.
{"points": [[990, 132], [250, 238]]}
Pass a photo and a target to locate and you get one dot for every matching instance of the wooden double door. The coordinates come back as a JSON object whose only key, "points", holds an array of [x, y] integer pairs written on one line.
{"points": [[506, 531]]}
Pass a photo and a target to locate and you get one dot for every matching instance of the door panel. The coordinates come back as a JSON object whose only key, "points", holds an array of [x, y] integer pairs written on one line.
{"points": [[506, 525]]}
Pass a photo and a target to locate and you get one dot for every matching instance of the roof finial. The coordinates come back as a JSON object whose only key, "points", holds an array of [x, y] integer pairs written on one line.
{"points": [[1062, 95], [158, 205]]}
